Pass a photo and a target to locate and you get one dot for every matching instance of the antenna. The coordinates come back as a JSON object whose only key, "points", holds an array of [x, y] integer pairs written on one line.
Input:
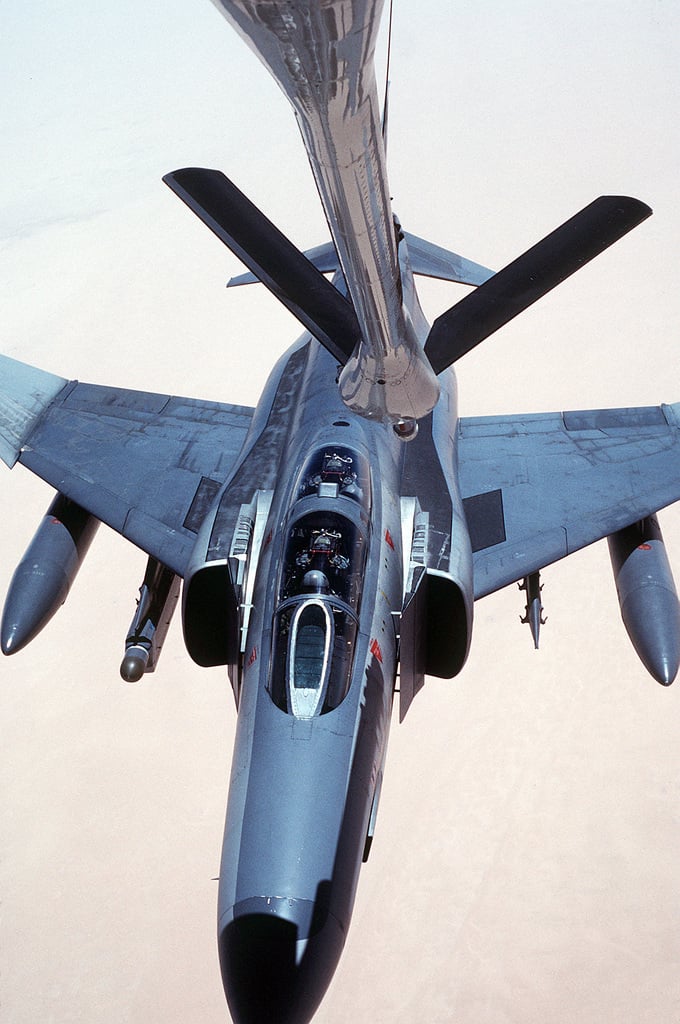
{"points": [[387, 80]]}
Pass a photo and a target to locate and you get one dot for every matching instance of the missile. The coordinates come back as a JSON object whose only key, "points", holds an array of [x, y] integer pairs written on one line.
{"points": [[157, 600], [43, 578], [647, 597], [533, 613]]}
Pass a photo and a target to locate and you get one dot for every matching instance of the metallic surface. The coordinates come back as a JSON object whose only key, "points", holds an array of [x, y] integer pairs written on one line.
{"points": [[321, 54], [426, 258]]}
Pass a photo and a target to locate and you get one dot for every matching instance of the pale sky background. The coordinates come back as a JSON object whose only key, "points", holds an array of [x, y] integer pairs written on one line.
{"points": [[525, 867]]}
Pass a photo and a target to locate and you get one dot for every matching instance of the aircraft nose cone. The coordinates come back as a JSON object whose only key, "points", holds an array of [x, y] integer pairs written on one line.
{"points": [[277, 957]]}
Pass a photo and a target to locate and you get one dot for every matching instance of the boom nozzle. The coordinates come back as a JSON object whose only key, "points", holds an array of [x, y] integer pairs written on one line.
{"points": [[406, 430]]}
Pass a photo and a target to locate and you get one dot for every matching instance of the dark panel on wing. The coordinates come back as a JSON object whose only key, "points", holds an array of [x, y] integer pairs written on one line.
{"points": [[145, 464], [205, 495], [285, 271], [484, 515], [615, 419], [531, 276]]}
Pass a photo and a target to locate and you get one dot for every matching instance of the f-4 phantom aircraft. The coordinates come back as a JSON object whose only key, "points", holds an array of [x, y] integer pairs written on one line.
{"points": [[338, 535]]}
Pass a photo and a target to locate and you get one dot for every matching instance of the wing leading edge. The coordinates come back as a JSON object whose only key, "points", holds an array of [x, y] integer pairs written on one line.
{"points": [[538, 487], [147, 465]]}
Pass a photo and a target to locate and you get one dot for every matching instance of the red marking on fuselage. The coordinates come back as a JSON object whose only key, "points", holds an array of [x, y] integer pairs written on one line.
{"points": [[253, 657], [375, 650], [644, 547], [388, 538]]}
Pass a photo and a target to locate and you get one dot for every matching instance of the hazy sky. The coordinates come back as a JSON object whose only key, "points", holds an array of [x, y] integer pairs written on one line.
{"points": [[525, 862]]}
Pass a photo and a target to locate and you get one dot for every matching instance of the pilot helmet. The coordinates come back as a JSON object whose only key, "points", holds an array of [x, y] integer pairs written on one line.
{"points": [[315, 582]]}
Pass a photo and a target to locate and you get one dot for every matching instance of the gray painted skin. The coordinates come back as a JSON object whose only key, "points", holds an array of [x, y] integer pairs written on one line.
{"points": [[301, 790]]}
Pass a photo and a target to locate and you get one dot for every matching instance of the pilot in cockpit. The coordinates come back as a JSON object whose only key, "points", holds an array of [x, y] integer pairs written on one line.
{"points": [[337, 469], [323, 552], [337, 466], [315, 582]]}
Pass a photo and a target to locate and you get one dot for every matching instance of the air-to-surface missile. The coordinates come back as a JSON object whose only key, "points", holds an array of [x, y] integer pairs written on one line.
{"points": [[647, 597], [157, 600], [43, 578]]}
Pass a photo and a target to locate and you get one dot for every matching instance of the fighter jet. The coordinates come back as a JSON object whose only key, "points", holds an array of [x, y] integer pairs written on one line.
{"points": [[330, 544]]}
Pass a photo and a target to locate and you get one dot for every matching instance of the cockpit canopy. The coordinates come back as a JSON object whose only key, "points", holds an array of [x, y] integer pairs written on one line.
{"points": [[325, 555], [313, 653], [336, 470], [319, 591]]}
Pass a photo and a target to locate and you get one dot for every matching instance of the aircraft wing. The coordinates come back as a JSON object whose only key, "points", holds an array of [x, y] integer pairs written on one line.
{"points": [[147, 465], [538, 487]]}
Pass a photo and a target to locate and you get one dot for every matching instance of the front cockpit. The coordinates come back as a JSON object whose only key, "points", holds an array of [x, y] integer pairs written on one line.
{"points": [[320, 582], [334, 471]]}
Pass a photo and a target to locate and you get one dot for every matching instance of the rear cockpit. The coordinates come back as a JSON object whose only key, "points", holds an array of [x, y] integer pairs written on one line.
{"points": [[319, 590]]}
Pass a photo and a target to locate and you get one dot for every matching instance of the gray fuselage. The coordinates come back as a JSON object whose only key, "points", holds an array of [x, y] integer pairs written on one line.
{"points": [[315, 692]]}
